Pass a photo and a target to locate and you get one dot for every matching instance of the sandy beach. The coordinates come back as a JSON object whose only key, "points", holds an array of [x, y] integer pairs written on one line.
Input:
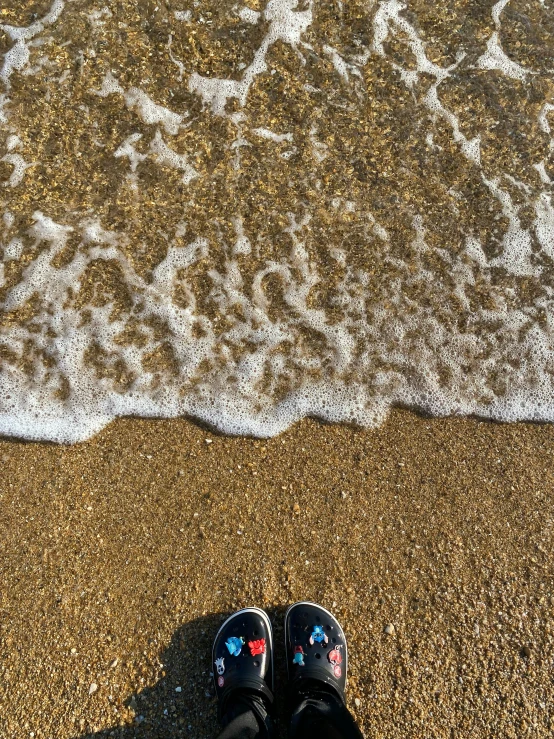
{"points": [[121, 556], [250, 213]]}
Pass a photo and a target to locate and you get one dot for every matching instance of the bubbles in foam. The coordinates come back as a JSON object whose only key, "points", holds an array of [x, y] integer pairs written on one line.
{"points": [[287, 23], [19, 166], [17, 58], [495, 58], [128, 150], [110, 86], [183, 15], [252, 317], [14, 60], [151, 112], [163, 154], [249, 16], [13, 250]]}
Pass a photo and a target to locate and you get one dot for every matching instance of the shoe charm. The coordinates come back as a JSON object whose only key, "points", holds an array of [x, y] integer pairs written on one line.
{"points": [[298, 658], [257, 647], [220, 665], [234, 645], [319, 636], [335, 658]]}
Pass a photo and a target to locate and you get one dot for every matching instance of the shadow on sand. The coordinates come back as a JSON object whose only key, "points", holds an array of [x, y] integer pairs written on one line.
{"points": [[160, 711]]}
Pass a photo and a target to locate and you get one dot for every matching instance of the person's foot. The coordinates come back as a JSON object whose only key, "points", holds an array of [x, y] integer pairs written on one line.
{"points": [[242, 655], [315, 648]]}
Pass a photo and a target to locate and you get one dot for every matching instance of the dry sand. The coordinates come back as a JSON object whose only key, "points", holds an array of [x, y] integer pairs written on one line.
{"points": [[120, 557]]}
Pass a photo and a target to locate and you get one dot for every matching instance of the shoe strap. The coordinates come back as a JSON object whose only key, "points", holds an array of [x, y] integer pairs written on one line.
{"points": [[321, 675], [256, 685]]}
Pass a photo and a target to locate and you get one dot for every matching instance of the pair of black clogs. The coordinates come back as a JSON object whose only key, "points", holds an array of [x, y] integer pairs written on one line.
{"points": [[315, 648]]}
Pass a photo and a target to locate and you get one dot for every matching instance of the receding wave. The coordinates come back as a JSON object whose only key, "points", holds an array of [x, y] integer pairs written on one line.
{"points": [[250, 213]]}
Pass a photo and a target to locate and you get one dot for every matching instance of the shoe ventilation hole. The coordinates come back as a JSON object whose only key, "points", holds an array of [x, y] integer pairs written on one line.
{"points": [[334, 640], [318, 618], [317, 655], [255, 632], [256, 663]]}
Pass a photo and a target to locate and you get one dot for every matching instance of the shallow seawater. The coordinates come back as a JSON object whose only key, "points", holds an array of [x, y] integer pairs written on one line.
{"points": [[253, 212]]}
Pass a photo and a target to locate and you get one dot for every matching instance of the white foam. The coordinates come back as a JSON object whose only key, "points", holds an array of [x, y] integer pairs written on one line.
{"points": [[166, 156], [516, 254], [28, 32], [494, 58], [410, 77], [242, 244], [19, 167], [98, 18], [152, 113], [14, 60], [496, 11], [390, 331], [540, 167], [249, 16], [178, 63], [475, 251], [543, 117], [471, 148], [3, 102], [215, 92], [544, 223], [272, 136], [40, 276], [388, 18], [13, 250], [319, 148], [338, 62], [95, 233], [286, 23], [183, 15], [178, 258], [110, 86], [142, 104], [126, 149], [17, 58]]}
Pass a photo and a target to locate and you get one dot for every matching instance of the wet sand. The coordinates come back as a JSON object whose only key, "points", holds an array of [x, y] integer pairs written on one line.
{"points": [[122, 555]]}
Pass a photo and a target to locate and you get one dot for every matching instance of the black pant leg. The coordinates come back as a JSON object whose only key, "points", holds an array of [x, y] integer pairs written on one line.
{"points": [[246, 717], [320, 714]]}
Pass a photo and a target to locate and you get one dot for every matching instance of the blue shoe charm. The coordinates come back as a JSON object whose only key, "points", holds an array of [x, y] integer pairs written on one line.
{"points": [[298, 658], [319, 636], [234, 645]]}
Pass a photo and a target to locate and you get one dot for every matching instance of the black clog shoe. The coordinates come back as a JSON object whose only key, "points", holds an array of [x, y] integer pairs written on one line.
{"points": [[315, 647], [242, 656]]}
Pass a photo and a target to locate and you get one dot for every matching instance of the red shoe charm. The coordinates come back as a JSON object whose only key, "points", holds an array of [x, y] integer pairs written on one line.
{"points": [[257, 647]]}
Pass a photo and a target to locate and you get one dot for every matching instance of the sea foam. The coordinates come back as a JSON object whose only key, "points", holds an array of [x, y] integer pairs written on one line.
{"points": [[255, 246]]}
